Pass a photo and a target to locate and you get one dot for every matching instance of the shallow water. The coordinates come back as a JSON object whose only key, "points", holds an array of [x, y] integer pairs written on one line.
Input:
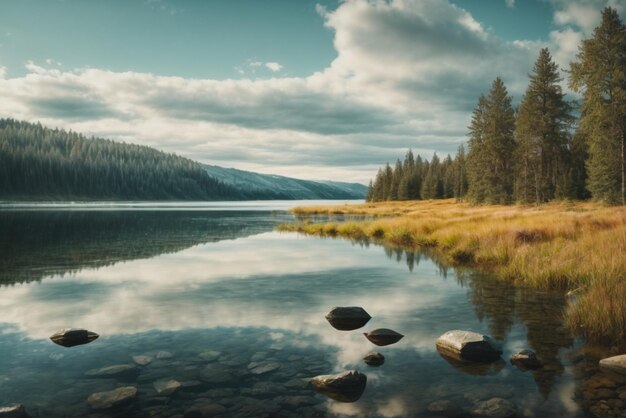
{"points": [[205, 293]]}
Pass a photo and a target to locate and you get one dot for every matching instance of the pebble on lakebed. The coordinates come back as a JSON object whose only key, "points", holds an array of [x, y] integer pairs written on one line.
{"points": [[112, 398]]}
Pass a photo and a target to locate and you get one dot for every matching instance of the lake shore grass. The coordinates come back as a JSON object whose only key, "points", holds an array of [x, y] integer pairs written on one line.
{"points": [[572, 246]]}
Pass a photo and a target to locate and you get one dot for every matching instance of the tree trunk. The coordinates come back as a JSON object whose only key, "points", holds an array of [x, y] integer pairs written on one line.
{"points": [[623, 173]]}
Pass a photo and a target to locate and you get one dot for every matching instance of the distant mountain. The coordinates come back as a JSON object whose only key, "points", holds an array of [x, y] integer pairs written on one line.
{"points": [[38, 163], [280, 187]]}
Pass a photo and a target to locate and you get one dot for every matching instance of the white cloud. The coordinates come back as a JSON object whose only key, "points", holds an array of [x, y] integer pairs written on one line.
{"points": [[407, 74], [510, 3], [581, 15], [273, 66]]}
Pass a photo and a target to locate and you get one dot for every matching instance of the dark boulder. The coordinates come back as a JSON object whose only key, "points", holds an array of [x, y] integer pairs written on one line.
{"points": [[526, 360], [348, 318], [615, 364], [468, 346], [374, 359], [71, 337], [344, 387], [383, 336], [14, 410]]}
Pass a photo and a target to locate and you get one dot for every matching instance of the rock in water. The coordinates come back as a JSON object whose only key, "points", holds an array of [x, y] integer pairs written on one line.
{"points": [[526, 360], [374, 359], [615, 364], [383, 336], [348, 318], [494, 408], [14, 410], [112, 398], [71, 337], [142, 360], [163, 355], [262, 368], [344, 387], [467, 345], [166, 387], [113, 371]]}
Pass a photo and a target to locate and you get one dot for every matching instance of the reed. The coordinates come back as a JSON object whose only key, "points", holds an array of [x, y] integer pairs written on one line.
{"points": [[562, 245]]}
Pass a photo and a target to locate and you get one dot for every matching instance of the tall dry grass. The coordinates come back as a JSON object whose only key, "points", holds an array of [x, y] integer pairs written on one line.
{"points": [[564, 245]]}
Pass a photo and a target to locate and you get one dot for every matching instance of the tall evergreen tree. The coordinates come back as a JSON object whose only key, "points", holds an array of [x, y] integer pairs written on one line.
{"points": [[541, 133], [600, 74], [578, 172], [460, 174], [395, 181], [491, 147], [408, 172], [432, 184]]}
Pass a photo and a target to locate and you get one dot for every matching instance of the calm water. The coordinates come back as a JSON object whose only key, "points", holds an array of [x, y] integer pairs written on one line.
{"points": [[206, 292]]}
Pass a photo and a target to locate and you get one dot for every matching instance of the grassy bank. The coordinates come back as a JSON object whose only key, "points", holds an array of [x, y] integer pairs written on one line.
{"points": [[569, 246]]}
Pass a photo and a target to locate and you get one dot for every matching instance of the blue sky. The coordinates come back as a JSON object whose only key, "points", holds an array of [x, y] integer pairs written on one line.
{"points": [[307, 88]]}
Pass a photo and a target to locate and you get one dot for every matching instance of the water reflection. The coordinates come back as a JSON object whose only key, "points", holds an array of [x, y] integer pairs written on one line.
{"points": [[229, 311], [36, 244]]}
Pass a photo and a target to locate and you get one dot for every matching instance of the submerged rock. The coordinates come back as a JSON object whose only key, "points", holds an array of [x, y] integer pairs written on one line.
{"points": [[210, 355], [262, 368], [494, 408], [383, 336], [348, 318], [615, 364], [216, 373], [70, 337], [113, 371], [469, 346], [166, 387], [374, 359], [344, 387], [142, 360], [164, 355], [526, 360], [14, 410], [112, 398]]}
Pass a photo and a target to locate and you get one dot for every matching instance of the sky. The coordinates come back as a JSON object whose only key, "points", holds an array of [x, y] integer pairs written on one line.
{"points": [[316, 89]]}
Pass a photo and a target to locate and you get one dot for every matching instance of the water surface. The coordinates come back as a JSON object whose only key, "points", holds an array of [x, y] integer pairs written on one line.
{"points": [[210, 295]]}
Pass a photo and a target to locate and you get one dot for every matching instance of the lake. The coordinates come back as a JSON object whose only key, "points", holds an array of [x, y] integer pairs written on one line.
{"points": [[209, 295]]}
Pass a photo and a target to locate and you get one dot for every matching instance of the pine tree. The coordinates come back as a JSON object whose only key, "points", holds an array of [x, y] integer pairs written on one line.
{"points": [[600, 74], [395, 181], [541, 134], [491, 147], [431, 188], [460, 174], [408, 169]]}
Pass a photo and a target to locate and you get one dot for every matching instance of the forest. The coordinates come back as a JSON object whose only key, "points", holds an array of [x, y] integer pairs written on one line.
{"points": [[43, 163], [548, 148]]}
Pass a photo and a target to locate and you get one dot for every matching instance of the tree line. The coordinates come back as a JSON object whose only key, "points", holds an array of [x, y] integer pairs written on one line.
{"points": [[548, 148], [42, 163]]}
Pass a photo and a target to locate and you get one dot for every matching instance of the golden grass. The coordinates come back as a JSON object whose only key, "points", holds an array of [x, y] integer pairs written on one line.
{"points": [[564, 245]]}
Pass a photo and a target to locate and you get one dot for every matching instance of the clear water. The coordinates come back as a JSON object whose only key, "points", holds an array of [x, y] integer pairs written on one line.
{"points": [[185, 283]]}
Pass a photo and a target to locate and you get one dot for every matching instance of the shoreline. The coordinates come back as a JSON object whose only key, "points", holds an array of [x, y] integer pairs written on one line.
{"points": [[569, 246]]}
